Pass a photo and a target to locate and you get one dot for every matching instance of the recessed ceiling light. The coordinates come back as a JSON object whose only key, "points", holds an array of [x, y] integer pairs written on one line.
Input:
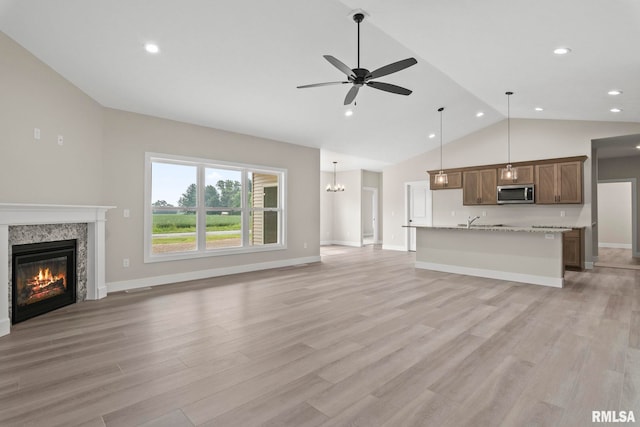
{"points": [[539, 109], [614, 92], [349, 112], [638, 147], [151, 48], [561, 50], [432, 135], [479, 114], [615, 110]]}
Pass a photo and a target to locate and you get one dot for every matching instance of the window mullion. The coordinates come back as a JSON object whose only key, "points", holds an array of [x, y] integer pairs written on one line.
{"points": [[201, 212], [244, 205]]}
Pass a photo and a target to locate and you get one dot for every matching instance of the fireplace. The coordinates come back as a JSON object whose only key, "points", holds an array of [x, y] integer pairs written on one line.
{"points": [[43, 278]]}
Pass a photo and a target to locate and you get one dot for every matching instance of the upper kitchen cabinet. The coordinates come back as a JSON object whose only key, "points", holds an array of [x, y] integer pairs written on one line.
{"points": [[454, 178], [479, 187], [525, 176], [559, 182]]}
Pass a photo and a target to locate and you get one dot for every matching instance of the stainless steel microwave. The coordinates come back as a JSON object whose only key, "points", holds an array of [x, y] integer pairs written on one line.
{"points": [[511, 194]]}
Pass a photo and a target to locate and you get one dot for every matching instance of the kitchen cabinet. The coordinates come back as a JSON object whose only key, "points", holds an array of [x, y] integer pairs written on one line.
{"points": [[573, 248], [479, 187], [559, 183], [454, 178], [525, 176]]}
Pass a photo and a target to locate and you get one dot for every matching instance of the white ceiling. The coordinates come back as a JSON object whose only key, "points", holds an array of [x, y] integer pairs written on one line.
{"points": [[235, 65]]}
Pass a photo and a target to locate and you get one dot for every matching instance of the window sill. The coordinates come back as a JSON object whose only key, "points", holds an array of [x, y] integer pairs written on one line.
{"points": [[212, 253]]}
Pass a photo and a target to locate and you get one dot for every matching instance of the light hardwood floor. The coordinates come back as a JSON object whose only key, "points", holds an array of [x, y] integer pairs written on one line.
{"points": [[617, 258], [361, 339]]}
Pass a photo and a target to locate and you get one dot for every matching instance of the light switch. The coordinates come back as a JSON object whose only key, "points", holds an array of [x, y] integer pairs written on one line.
{"points": [[60, 140], [126, 213]]}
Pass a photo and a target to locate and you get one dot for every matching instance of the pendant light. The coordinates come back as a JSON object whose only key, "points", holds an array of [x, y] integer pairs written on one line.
{"points": [[441, 177], [335, 187], [509, 173]]}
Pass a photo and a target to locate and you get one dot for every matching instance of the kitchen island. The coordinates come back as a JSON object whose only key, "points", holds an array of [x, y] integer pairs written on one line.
{"points": [[518, 254]]}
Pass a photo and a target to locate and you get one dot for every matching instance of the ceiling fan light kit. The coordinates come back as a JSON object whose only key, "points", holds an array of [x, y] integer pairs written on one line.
{"points": [[359, 77]]}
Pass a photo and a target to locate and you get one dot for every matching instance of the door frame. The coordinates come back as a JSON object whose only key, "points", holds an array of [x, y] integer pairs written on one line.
{"points": [[374, 209], [635, 251], [407, 208]]}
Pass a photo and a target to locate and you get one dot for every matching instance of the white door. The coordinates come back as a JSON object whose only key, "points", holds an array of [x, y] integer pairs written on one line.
{"points": [[419, 209]]}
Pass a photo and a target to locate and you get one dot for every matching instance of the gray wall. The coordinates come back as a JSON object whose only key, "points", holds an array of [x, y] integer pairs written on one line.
{"points": [[102, 163], [32, 95]]}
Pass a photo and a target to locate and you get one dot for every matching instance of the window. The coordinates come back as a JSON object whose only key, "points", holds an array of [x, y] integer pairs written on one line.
{"points": [[196, 208]]}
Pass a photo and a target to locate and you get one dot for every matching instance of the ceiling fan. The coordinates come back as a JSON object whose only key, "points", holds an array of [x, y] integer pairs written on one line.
{"points": [[359, 77]]}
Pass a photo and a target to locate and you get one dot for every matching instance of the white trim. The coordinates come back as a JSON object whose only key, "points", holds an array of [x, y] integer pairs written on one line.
{"points": [[635, 249], [394, 248], [589, 265], [205, 274], [201, 251], [375, 210], [343, 243], [326, 243], [33, 214], [556, 282], [615, 245]]}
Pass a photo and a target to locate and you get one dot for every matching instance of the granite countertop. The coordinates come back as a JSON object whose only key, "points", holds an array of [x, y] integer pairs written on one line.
{"points": [[500, 227]]}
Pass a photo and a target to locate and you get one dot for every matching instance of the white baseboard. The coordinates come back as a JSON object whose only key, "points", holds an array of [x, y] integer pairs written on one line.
{"points": [[205, 274], [5, 327], [326, 243], [556, 282], [394, 248], [615, 245], [346, 243], [589, 265]]}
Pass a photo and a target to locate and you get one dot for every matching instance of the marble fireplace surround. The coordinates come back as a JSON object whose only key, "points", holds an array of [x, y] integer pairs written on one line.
{"points": [[31, 214]]}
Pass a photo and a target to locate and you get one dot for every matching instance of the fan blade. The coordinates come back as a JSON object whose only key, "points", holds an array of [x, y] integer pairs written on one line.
{"points": [[339, 65], [389, 88], [322, 84], [392, 68], [351, 95]]}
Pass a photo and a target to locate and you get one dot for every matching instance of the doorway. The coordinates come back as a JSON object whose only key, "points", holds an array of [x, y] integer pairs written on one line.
{"points": [[418, 209], [369, 215], [617, 223]]}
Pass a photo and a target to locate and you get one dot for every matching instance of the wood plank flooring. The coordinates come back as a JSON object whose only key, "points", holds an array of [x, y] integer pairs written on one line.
{"points": [[617, 258], [361, 339]]}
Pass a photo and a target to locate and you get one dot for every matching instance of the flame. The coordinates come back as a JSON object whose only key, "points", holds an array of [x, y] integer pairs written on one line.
{"points": [[45, 277]]}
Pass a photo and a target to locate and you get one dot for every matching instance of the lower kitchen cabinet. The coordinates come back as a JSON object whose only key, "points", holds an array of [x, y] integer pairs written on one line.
{"points": [[573, 249]]}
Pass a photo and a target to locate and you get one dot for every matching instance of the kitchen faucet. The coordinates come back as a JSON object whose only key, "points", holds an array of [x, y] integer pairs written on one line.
{"points": [[470, 221]]}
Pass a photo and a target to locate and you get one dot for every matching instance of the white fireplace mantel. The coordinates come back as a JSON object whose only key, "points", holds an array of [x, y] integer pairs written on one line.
{"points": [[31, 214]]}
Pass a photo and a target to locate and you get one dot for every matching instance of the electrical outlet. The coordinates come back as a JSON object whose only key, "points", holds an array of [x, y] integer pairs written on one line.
{"points": [[36, 133], [550, 236], [305, 245], [60, 140], [484, 213], [562, 213], [453, 213], [125, 262]]}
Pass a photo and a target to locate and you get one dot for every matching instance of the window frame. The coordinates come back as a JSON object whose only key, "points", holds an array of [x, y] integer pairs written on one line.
{"points": [[201, 210]]}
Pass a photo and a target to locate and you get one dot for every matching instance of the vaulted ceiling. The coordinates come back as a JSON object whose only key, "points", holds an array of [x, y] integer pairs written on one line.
{"points": [[235, 65]]}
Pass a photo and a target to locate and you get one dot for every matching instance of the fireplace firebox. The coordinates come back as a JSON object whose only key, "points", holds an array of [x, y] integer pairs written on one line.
{"points": [[43, 278]]}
